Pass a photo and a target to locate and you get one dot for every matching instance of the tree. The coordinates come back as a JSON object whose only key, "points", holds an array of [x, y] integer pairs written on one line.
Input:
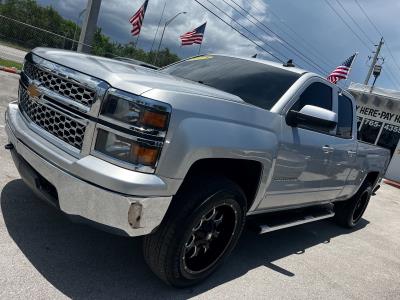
{"points": [[52, 30]]}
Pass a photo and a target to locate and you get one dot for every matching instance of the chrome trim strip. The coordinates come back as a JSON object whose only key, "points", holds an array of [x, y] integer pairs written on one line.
{"points": [[140, 130], [41, 100], [101, 92], [88, 139], [59, 98], [152, 143], [140, 100]]}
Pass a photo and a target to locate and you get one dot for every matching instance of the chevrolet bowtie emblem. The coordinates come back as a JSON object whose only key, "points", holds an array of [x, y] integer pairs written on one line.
{"points": [[33, 91]]}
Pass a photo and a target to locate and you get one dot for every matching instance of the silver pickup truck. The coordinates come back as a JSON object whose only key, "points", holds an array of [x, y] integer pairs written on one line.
{"points": [[186, 154]]}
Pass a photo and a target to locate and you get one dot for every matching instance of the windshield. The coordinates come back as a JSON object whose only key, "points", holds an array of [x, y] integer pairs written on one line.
{"points": [[256, 83]]}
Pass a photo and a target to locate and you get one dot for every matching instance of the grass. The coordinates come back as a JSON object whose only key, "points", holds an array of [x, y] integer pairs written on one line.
{"points": [[9, 63]]}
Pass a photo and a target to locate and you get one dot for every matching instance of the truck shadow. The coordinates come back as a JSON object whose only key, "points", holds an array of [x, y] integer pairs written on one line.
{"points": [[82, 262]]}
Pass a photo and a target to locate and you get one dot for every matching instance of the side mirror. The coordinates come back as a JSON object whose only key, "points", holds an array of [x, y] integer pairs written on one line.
{"points": [[312, 116]]}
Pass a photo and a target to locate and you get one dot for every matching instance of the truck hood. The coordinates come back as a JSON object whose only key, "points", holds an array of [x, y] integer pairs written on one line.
{"points": [[129, 77]]}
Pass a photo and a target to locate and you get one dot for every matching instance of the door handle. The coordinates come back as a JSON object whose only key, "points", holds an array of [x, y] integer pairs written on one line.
{"points": [[327, 149], [351, 153]]}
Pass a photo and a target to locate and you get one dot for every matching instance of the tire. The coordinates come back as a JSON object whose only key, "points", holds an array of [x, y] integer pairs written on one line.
{"points": [[193, 239], [349, 213]]}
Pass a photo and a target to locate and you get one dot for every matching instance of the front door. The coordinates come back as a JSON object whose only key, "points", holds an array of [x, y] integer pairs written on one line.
{"points": [[301, 166]]}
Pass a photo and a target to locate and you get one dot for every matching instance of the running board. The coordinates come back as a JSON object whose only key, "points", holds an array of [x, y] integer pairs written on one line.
{"points": [[298, 221]]}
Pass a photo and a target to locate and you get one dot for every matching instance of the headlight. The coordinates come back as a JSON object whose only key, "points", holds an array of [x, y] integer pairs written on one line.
{"points": [[131, 131], [144, 114], [125, 149]]}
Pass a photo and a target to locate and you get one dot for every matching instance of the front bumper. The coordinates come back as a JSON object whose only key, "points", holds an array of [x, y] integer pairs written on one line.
{"points": [[80, 197]]}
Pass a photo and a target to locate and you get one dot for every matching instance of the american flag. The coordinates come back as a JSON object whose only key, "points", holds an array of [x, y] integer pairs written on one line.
{"points": [[342, 71], [194, 37], [137, 19]]}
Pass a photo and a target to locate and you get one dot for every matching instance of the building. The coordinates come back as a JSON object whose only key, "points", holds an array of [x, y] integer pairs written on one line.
{"points": [[378, 120]]}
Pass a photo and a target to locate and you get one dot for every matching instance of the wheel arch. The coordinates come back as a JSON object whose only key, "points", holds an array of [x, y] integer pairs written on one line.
{"points": [[247, 174], [371, 178]]}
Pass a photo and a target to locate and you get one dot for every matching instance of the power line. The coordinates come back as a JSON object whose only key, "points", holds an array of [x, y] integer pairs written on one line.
{"points": [[297, 37], [368, 18], [294, 49], [304, 57], [391, 77], [252, 33], [388, 74], [355, 22], [388, 67], [242, 34], [347, 24], [392, 56], [379, 32], [299, 54]]}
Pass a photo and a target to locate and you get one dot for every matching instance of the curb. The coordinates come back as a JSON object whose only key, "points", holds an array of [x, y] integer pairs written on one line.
{"points": [[392, 183], [10, 70]]}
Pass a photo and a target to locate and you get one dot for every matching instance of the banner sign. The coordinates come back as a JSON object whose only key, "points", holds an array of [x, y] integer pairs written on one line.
{"points": [[377, 113]]}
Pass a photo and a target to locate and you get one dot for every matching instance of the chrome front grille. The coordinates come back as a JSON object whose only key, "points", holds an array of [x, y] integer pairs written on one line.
{"points": [[53, 121], [62, 86]]}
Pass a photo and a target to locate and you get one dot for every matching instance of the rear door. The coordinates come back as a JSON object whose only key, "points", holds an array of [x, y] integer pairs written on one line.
{"points": [[301, 167], [342, 169]]}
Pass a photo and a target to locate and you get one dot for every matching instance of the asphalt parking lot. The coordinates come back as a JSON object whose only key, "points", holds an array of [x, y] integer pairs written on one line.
{"points": [[44, 256]]}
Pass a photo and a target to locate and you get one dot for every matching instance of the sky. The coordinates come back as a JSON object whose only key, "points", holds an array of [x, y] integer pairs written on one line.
{"points": [[307, 31]]}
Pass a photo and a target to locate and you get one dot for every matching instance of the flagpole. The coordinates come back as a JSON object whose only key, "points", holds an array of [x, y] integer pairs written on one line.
{"points": [[200, 49], [137, 40], [204, 33], [351, 66], [140, 29], [158, 27]]}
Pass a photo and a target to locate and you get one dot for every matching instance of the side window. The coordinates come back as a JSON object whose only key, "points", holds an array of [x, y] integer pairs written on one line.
{"points": [[317, 94], [345, 117]]}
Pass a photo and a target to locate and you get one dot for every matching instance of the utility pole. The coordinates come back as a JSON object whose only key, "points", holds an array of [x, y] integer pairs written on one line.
{"points": [[374, 60], [89, 25]]}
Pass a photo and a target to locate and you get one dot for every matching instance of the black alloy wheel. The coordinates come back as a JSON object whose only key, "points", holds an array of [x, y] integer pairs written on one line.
{"points": [[209, 238], [201, 228], [349, 213], [361, 206]]}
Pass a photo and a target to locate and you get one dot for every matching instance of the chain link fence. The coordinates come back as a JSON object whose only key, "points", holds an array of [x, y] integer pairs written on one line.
{"points": [[17, 38]]}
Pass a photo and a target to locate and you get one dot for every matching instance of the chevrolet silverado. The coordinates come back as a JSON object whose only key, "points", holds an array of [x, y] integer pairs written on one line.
{"points": [[187, 154]]}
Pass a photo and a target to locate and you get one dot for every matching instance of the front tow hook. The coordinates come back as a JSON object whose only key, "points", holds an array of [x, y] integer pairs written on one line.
{"points": [[9, 146]]}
